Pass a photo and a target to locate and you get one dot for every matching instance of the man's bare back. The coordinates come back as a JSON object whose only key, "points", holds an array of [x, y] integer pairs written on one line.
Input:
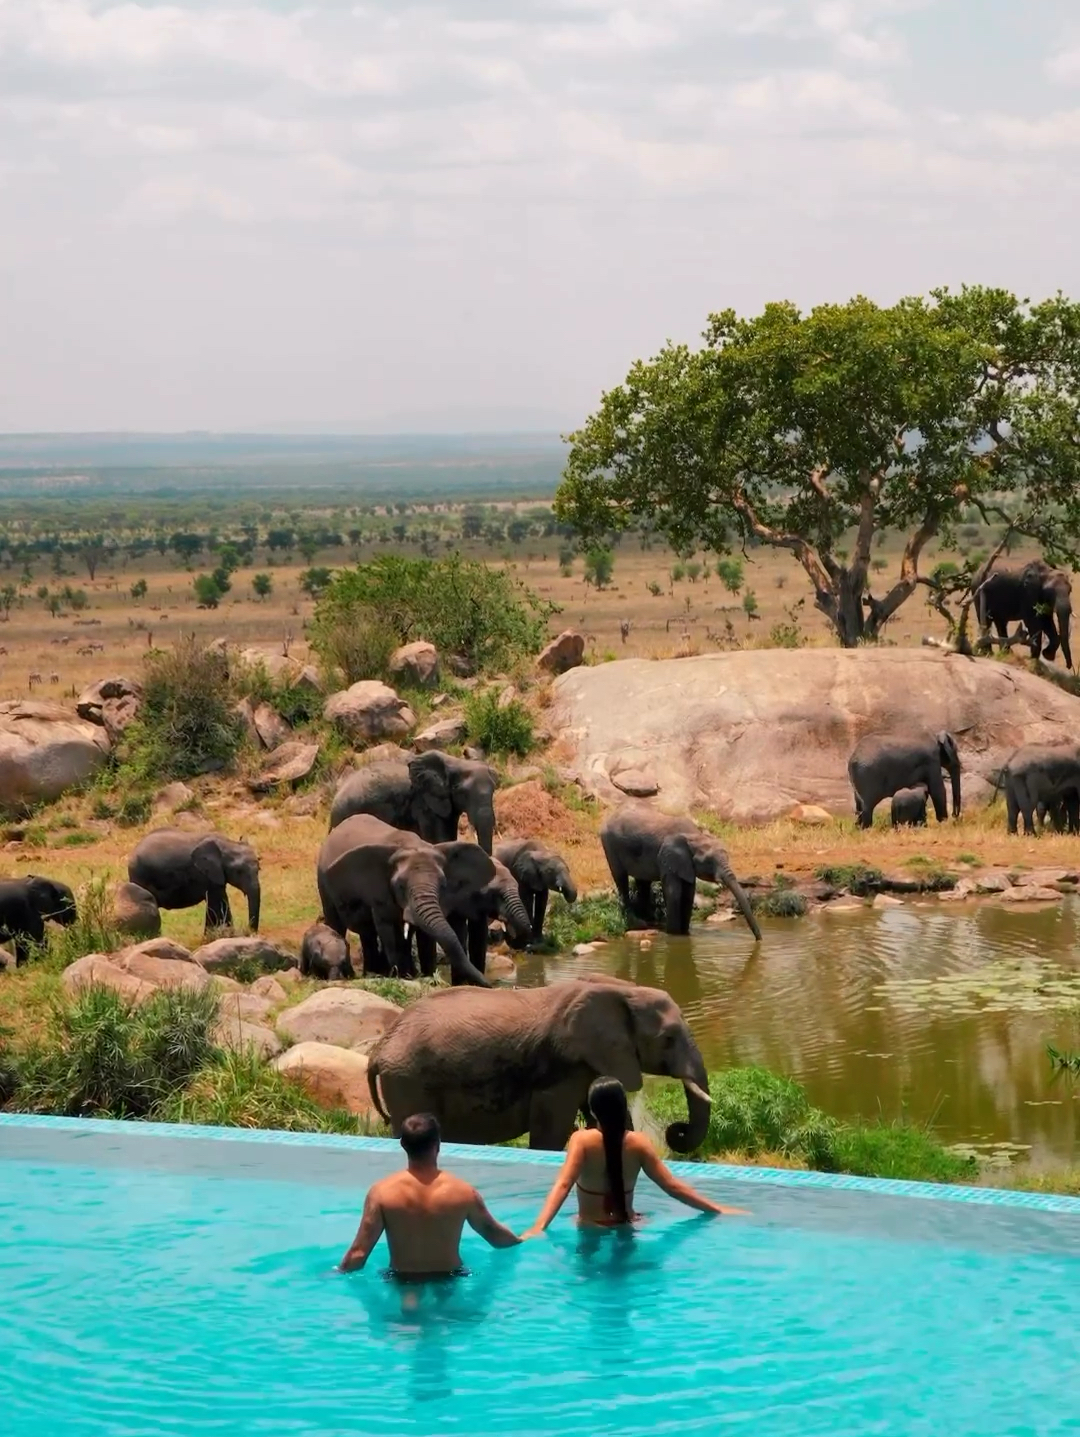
{"points": [[423, 1211]]}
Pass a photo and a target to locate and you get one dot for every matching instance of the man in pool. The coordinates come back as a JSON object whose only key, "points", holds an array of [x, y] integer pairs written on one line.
{"points": [[422, 1211]]}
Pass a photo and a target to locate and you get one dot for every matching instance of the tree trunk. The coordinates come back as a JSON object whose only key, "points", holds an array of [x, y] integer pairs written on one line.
{"points": [[841, 603]]}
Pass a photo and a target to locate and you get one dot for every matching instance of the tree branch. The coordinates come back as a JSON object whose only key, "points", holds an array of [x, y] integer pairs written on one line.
{"points": [[803, 551], [881, 610]]}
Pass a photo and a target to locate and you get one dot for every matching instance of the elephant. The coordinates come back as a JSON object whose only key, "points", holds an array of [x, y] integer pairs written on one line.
{"points": [[538, 872], [648, 846], [1042, 779], [325, 954], [26, 904], [471, 920], [1035, 594], [426, 795], [181, 869], [374, 879], [880, 766], [909, 807], [492, 1066]]}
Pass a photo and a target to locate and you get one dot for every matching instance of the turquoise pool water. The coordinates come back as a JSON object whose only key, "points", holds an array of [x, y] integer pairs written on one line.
{"points": [[183, 1285]]}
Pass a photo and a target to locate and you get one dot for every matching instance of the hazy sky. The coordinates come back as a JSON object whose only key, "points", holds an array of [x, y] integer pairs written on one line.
{"points": [[477, 213]]}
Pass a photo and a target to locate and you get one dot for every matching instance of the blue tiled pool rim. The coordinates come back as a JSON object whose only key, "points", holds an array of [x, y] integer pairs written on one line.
{"points": [[730, 1172]]}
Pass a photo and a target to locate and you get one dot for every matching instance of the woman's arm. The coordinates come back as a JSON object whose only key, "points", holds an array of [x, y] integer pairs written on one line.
{"points": [[666, 1180], [561, 1188]]}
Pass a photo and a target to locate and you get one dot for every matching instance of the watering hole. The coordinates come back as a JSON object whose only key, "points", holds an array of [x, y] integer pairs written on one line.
{"points": [[940, 1013]]}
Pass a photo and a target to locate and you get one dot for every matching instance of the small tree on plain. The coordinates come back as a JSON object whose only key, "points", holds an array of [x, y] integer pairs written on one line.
{"points": [[263, 584]]}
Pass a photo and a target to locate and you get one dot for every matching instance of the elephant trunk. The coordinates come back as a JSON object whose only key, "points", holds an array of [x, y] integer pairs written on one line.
{"points": [[518, 928], [954, 776], [254, 902], [1064, 618], [686, 1137], [483, 820], [732, 884], [567, 887], [430, 919]]}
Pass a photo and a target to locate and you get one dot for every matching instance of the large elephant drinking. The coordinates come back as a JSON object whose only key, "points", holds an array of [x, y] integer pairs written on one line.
{"points": [[881, 765], [1034, 594], [492, 1066], [471, 917], [648, 846], [426, 795], [181, 869], [373, 879]]}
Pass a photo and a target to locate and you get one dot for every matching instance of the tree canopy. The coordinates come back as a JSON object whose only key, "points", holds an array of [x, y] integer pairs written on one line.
{"points": [[815, 432]]}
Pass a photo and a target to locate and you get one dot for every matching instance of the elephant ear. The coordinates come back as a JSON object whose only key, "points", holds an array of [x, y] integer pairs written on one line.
{"points": [[206, 863], [947, 747], [599, 1033], [429, 778], [675, 857], [467, 868]]}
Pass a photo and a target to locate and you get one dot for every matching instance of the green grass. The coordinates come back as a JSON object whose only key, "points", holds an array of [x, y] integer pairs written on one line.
{"points": [[600, 915], [499, 729], [757, 1112], [781, 901], [858, 878]]}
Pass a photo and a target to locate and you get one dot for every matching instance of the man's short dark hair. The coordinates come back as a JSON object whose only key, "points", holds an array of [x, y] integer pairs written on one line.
{"points": [[420, 1135]]}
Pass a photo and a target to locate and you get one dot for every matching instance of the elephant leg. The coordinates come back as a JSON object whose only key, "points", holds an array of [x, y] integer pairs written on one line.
{"points": [[1012, 808], [477, 941], [553, 1115], [426, 953], [1027, 801], [1048, 629], [1072, 811], [936, 786], [375, 961], [218, 912], [391, 931], [642, 902], [536, 918], [864, 811], [678, 903]]}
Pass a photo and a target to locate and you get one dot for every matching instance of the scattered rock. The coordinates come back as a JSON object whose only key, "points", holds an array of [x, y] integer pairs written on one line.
{"points": [[347, 1017], [1045, 877], [98, 968], [1031, 894], [45, 750], [245, 712], [442, 734], [174, 796], [244, 1005], [90, 704], [810, 813], [288, 763], [224, 955], [135, 913], [579, 950], [281, 668], [335, 1077], [162, 972], [269, 988], [440, 701], [886, 900], [417, 663], [7, 961], [167, 948], [460, 666], [565, 652], [722, 915], [288, 976], [117, 714], [303, 805], [383, 753], [506, 697], [990, 880], [370, 709], [844, 908], [271, 728], [237, 1035], [637, 782]]}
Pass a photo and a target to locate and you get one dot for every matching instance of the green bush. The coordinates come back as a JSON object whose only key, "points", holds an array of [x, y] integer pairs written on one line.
{"points": [[134, 808], [499, 729], [899, 1150], [780, 902], [186, 725], [461, 606], [297, 704], [599, 915], [107, 1057], [858, 878]]}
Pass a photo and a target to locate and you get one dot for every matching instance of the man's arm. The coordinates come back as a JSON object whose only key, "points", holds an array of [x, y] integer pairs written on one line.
{"points": [[489, 1228], [367, 1234]]}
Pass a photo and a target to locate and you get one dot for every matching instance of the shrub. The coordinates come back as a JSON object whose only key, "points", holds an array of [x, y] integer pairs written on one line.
{"points": [[599, 563], [186, 725], [107, 1057], [208, 592], [135, 808], [730, 574], [857, 878], [781, 902], [600, 915], [296, 703], [899, 1149], [499, 729], [458, 604]]}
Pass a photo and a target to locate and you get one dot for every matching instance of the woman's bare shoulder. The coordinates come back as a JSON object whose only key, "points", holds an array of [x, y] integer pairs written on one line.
{"points": [[639, 1143]]}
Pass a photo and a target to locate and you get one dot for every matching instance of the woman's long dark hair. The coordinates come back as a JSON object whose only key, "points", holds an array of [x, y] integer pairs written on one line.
{"points": [[608, 1105]]}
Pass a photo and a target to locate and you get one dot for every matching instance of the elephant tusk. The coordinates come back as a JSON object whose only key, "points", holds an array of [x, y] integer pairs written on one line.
{"points": [[699, 1093]]}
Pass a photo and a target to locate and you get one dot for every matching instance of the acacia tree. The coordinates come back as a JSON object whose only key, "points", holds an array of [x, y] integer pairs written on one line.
{"points": [[814, 433]]}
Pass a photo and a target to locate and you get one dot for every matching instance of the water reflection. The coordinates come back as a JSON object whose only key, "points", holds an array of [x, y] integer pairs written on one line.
{"points": [[808, 1001]]}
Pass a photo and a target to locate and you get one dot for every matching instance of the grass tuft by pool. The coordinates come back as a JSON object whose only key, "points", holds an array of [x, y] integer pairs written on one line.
{"points": [[179, 1281]]}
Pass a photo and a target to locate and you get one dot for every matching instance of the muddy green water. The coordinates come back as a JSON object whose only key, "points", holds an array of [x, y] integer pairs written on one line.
{"points": [[942, 1012]]}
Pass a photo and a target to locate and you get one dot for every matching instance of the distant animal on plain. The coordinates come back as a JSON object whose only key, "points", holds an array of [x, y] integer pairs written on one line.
{"points": [[624, 629], [33, 678], [54, 678]]}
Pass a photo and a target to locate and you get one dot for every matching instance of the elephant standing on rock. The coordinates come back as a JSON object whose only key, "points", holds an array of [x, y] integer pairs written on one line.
{"points": [[374, 879], [26, 904], [538, 872], [1042, 779], [492, 1066], [426, 795], [881, 766], [648, 846], [1034, 594], [471, 917], [909, 807], [181, 869], [325, 954]]}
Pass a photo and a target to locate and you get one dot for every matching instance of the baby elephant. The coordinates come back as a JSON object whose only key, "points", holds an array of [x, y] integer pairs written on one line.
{"points": [[909, 807], [325, 954], [537, 872]]}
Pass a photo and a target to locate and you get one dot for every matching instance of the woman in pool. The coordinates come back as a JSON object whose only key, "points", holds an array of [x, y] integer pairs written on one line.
{"points": [[603, 1164]]}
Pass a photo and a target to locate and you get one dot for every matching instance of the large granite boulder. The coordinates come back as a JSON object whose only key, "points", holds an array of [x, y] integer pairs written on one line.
{"points": [[225, 955], [443, 734], [112, 702], [44, 751], [750, 734], [167, 948], [334, 1077], [271, 728], [283, 669], [565, 652], [135, 913], [98, 969], [162, 972], [240, 1036], [369, 710], [416, 663], [345, 1017], [287, 764]]}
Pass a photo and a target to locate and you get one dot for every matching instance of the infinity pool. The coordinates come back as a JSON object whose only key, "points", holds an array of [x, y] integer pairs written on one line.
{"points": [[180, 1282]]}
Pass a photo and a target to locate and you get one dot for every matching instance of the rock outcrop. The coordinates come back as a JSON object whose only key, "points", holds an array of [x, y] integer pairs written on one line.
{"points": [[370, 710], [225, 955], [416, 663], [99, 969], [334, 1077], [135, 913], [286, 765], [440, 734], [750, 734], [344, 1017], [563, 653], [45, 750]]}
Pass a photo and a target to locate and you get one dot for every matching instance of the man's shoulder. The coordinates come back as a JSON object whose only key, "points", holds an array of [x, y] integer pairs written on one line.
{"points": [[456, 1187]]}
